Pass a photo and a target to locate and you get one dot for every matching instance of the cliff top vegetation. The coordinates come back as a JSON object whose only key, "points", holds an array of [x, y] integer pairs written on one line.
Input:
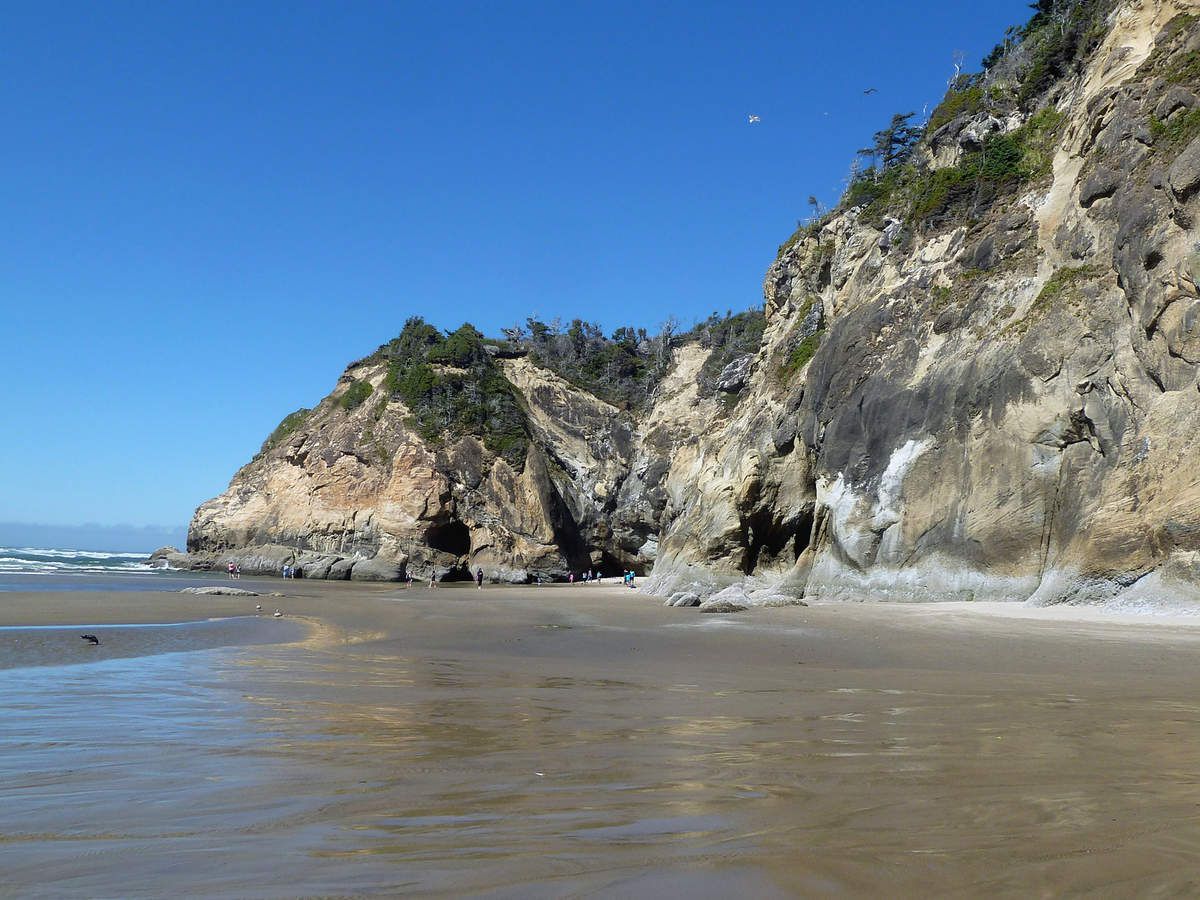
{"points": [[452, 387], [895, 178]]}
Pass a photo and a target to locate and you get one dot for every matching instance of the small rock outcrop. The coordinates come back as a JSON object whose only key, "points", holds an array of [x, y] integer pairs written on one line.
{"points": [[169, 558], [219, 592]]}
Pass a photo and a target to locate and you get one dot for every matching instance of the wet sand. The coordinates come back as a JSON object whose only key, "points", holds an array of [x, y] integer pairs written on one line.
{"points": [[585, 741]]}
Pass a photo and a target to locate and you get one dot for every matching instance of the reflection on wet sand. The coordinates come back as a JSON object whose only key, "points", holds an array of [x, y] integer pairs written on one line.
{"points": [[60, 645], [467, 749]]}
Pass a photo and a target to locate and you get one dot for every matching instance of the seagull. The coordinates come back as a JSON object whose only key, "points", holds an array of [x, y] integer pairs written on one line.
{"points": [[871, 91], [91, 639], [258, 606], [754, 119], [277, 614]]}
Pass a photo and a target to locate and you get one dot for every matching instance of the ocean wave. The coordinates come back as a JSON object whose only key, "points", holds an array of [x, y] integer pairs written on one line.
{"points": [[55, 553], [53, 561]]}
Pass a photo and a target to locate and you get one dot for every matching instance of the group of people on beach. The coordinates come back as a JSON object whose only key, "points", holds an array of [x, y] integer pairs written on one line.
{"points": [[235, 571], [289, 571], [594, 576]]}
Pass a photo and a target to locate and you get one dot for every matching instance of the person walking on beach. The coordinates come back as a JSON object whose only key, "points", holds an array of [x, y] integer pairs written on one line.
{"points": [[230, 567], [479, 578]]}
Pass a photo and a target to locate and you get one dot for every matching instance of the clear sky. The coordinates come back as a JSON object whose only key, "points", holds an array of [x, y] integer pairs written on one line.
{"points": [[210, 208]]}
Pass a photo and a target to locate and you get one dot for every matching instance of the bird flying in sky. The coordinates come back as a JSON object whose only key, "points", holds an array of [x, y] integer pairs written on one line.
{"points": [[871, 91], [754, 119]]}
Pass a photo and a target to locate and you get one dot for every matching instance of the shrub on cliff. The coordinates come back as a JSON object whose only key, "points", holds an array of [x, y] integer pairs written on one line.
{"points": [[958, 101], [356, 395], [1057, 39], [936, 197], [1004, 163], [291, 423], [622, 369], [1175, 64], [801, 354], [728, 337], [452, 388], [1178, 131], [1019, 73]]}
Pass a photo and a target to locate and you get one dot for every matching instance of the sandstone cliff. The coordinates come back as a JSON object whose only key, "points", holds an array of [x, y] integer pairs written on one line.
{"points": [[355, 490], [977, 379], [1004, 400]]}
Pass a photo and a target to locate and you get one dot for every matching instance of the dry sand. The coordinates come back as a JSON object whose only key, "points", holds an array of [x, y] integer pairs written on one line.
{"points": [[585, 741]]}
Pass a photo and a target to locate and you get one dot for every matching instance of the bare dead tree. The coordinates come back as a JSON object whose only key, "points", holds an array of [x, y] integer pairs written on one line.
{"points": [[1058, 12], [855, 170], [665, 333], [957, 60]]}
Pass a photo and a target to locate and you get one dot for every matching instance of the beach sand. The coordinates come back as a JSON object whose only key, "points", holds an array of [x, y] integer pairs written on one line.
{"points": [[586, 741]]}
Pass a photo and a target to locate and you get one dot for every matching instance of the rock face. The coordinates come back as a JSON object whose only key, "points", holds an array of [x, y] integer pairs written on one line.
{"points": [[357, 494], [1003, 409], [994, 406], [168, 558]]}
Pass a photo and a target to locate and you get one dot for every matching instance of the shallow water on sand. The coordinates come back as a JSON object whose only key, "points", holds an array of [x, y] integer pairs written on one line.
{"points": [[58, 645], [521, 753], [144, 579]]}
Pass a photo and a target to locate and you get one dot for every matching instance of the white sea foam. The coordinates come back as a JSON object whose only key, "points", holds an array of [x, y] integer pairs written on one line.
{"points": [[56, 561], [69, 554]]}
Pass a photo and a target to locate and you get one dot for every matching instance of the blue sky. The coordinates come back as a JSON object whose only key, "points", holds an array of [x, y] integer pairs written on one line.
{"points": [[210, 208]]}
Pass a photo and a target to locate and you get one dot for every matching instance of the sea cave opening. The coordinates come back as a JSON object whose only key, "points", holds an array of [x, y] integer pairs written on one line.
{"points": [[768, 540], [451, 537]]}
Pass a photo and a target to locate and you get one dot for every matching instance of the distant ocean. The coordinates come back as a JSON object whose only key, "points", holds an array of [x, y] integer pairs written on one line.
{"points": [[39, 561], [50, 569]]}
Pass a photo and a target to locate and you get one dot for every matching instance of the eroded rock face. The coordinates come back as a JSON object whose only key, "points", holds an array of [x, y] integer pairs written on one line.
{"points": [[1001, 411], [356, 494], [1002, 407]]}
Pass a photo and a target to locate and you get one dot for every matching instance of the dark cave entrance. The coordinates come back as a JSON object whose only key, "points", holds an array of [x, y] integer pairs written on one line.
{"points": [[767, 539], [449, 537], [610, 566]]}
